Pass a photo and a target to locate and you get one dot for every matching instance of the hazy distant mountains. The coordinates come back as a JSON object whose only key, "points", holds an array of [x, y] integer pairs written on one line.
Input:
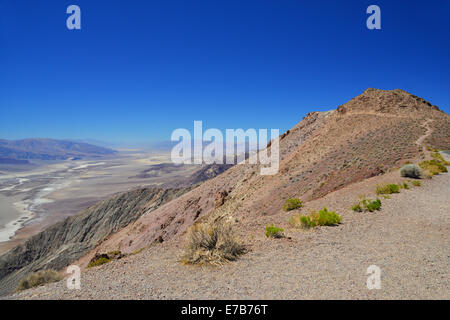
{"points": [[17, 151]]}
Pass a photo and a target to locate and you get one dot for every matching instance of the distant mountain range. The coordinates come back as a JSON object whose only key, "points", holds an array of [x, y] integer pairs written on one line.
{"points": [[19, 151]]}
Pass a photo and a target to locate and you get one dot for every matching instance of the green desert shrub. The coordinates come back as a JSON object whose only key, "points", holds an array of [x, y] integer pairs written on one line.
{"points": [[437, 156], [433, 166], [314, 219], [372, 205], [291, 204], [388, 188], [415, 183], [38, 279], [274, 232], [328, 218], [102, 258], [300, 221], [308, 222], [211, 243], [357, 207], [98, 260], [410, 171], [367, 205]]}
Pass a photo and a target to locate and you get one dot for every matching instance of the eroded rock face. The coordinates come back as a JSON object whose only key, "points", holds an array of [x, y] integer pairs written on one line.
{"points": [[61, 244], [219, 200]]}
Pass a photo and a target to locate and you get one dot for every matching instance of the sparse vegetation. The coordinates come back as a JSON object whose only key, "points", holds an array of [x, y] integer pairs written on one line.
{"points": [[98, 260], [211, 243], [357, 207], [274, 232], [314, 219], [410, 171], [291, 204], [388, 188], [404, 185], [38, 279], [433, 167], [415, 183], [372, 205], [102, 258], [367, 205], [138, 250], [440, 158]]}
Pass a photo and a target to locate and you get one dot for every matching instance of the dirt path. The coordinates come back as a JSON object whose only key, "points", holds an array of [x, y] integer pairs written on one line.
{"points": [[422, 138], [409, 240]]}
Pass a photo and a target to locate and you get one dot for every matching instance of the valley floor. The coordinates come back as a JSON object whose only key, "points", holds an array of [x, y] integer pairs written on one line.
{"points": [[409, 240]]}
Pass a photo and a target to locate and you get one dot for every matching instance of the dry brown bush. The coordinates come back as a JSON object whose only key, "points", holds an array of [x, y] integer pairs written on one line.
{"points": [[39, 278], [211, 243]]}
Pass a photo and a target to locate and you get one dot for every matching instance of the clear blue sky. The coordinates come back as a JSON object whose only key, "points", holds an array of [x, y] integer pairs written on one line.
{"points": [[137, 70]]}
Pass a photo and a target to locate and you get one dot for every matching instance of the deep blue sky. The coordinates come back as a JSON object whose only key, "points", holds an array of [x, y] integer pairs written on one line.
{"points": [[140, 69]]}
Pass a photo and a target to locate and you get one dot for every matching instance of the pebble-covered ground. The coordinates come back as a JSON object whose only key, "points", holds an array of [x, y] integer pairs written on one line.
{"points": [[409, 240]]}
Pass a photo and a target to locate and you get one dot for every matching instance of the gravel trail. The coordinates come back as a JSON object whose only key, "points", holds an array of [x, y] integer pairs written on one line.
{"points": [[408, 239]]}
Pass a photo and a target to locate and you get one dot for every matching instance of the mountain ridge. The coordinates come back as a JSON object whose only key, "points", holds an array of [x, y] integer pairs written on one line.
{"points": [[50, 149], [324, 152]]}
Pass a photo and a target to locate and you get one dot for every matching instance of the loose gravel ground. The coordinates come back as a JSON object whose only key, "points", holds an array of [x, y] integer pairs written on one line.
{"points": [[408, 239]]}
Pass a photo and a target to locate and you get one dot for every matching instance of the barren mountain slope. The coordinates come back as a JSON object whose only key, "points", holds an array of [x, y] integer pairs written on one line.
{"points": [[371, 134], [408, 239], [62, 243]]}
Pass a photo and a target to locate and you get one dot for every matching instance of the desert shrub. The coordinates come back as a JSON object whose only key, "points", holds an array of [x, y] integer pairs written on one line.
{"points": [[274, 232], [328, 218], [357, 207], [403, 185], [433, 166], [308, 222], [367, 205], [38, 279], [410, 171], [415, 183], [300, 221], [437, 156], [138, 250], [211, 243], [388, 188], [373, 205], [314, 219], [114, 254], [291, 204], [98, 260], [102, 258]]}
